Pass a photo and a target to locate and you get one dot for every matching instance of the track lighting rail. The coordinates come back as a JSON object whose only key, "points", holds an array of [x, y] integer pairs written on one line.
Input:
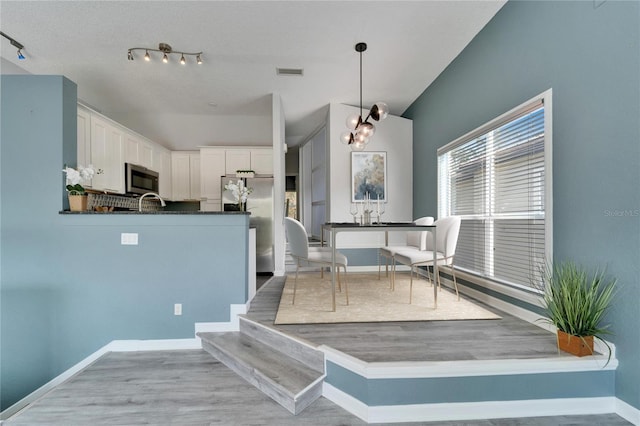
{"points": [[166, 51]]}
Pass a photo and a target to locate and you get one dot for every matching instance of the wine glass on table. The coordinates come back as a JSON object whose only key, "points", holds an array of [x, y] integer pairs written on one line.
{"points": [[380, 211], [354, 211]]}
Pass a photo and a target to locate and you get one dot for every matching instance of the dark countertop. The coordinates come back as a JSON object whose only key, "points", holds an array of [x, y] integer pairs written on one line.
{"points": [[158, 212]]}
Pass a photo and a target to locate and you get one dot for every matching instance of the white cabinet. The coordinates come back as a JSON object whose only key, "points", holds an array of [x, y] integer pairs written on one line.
{"points": [[145, 152], [212, 168], [262, 161], [162, 165], [185, 175], [107, 156], [194, 177], [108, 145], [237, 159], [138, 151], [84, 139], [131, 146]]}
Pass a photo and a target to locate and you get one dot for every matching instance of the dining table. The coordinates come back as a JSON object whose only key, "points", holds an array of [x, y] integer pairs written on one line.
{"points": [[334, 228]]}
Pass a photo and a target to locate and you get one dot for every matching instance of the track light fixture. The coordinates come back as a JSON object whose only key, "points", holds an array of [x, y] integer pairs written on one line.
{"points": [[360, 131], [15, 43], [166, 51]]}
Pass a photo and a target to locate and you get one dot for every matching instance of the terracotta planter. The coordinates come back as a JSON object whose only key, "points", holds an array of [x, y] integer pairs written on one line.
{"points": [[578, 346], [78, 203]]}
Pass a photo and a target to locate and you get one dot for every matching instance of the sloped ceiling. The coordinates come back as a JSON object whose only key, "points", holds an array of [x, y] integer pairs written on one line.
{"points": [[410, 44]]}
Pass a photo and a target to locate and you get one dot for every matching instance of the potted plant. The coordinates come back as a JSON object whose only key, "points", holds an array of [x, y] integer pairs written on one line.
{"points": [[240, 193], [576, 302], [76, 192]]}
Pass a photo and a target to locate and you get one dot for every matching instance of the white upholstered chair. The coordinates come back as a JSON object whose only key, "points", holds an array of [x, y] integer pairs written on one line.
{"points": [[303, 254], [447, 231], [416, 240]]}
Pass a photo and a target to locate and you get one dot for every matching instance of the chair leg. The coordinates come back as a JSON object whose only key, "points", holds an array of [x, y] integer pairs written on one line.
{"points": [[346, 284], [295, 283], [455, 283], [392, 277], [411, 284]]}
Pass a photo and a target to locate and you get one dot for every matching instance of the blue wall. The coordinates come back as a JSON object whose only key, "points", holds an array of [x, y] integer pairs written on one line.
{"points": [[589, 54], [67, 285]]}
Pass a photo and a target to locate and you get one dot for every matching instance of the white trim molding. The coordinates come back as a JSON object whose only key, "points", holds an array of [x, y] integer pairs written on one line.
{"points": [[232, 325], [131, 346], [472, 410]]}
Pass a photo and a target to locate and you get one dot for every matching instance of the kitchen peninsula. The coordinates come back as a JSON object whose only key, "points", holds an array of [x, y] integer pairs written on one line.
{"points": [[69, 284]]}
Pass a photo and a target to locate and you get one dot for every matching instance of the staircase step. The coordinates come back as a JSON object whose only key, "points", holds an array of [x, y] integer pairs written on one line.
{"points": [[294, 347], [284, 379]]}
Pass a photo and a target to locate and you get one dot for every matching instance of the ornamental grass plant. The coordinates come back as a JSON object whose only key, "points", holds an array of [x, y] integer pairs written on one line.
{"points": [[576, 301]]}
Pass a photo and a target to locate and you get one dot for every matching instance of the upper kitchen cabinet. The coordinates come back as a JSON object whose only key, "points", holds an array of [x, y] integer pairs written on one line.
{"points": [[185, 175], [212, 168], [138, 151], [107, 156], [262, 161], [237, 159], [84, 137], [258, 159], [162, 164]]}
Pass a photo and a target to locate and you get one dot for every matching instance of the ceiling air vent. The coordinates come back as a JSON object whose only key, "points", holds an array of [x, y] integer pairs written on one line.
{"points": [[289, 71]]}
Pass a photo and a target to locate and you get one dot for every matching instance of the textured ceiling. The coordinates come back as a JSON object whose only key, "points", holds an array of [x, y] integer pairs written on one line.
{"points": [[410, 44]]}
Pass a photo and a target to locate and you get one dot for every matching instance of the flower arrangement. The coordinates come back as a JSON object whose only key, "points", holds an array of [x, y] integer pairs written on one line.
{"points": [[76, 177], [239, 191]]}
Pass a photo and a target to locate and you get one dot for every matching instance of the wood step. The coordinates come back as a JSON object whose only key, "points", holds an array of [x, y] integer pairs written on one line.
{"points": [[284, 379], [294, 347]]}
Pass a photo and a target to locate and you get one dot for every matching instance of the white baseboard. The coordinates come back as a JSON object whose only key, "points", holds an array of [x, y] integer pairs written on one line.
{"points": [[470, 410], [218, 327], [130, 346], [627, 412]]}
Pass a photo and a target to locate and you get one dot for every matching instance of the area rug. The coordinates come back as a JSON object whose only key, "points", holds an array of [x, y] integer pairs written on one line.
{"points": [[371, 300]]}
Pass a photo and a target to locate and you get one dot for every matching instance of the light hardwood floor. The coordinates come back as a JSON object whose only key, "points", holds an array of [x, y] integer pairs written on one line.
{"points": [[192, 388]]}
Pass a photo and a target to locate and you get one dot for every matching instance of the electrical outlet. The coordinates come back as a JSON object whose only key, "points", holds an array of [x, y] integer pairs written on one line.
{"points": [[129, 239], [177, 309]]}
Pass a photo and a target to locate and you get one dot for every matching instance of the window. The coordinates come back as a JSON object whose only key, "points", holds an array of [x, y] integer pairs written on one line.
{"points": [[497, 179]]}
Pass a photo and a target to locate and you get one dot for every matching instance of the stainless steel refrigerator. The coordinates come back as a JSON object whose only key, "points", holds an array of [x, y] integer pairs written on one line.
{"points": [[260, 205]]}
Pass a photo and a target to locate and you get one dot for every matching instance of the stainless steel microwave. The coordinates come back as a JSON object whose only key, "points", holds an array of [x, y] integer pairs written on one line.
{"points": [[140, 180]]}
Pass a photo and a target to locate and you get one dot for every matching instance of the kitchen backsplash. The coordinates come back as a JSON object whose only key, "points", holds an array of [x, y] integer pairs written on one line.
{"points": [[120, 202]]}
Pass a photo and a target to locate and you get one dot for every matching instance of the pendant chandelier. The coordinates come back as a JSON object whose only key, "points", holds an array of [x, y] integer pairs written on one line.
{"points": [[360, 131]]}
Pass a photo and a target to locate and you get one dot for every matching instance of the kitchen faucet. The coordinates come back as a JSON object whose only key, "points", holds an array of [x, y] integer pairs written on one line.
{"points": [[152, 194]]}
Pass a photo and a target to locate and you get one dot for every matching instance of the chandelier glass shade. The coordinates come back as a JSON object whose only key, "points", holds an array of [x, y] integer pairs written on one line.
{"points": [[361, 130], [166, 51]]}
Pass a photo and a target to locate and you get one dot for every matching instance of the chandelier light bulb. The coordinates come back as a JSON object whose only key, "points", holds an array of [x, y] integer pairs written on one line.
{"points": [[198, 60], [165, 58], [346, 137], [352, 121], [357, 146], [367, 129], [361, 138], [147, 57], [182, 60], [129, 55], [381, 111]]}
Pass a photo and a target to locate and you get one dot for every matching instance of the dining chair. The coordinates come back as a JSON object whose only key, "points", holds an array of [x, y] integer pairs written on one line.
{"points": [[301, 252], [416, 240], [447, 231]]}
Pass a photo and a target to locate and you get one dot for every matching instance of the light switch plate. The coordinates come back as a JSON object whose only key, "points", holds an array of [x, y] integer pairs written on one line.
{"points": [[177, 309], [129, 239]]}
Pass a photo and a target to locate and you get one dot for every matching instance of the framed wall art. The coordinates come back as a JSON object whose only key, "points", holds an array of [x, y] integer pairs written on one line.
{"points": [[369, 176]]}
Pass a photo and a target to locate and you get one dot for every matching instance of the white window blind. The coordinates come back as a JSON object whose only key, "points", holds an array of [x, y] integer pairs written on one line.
{"points": [[494, 179]]}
